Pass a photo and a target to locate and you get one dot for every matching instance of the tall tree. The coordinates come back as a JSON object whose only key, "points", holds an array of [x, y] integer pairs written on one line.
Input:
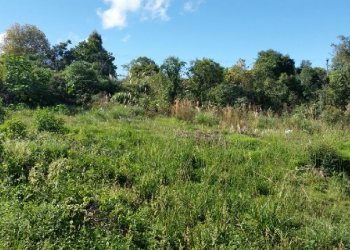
{"points": [[24, 40], [271, 64], [341, 59], [337, 91], [61, 56], [205, 74], [312, 80], [238, 84], [92, 51], [274, 81], [142, 67], [171, 68], [239, 74]]}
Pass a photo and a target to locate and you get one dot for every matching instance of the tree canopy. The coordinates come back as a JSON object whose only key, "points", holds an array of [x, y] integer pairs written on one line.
{"points": [[171, 68], [92, 51], [205, 74], [23, 40], [142, 66], [35, 73]]}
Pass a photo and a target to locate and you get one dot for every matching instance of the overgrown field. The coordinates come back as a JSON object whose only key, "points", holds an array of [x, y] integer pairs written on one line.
{"points": [[116, 178]]}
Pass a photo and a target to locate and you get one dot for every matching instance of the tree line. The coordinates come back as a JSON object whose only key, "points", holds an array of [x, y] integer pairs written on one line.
{"points": [[35, 73]]}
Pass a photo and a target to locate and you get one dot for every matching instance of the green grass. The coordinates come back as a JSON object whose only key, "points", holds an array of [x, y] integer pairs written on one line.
{"points": [[118, 179]]}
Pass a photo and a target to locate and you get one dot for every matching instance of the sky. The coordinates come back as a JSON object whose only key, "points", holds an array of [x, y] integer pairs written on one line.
{"points": [[223, 30]]}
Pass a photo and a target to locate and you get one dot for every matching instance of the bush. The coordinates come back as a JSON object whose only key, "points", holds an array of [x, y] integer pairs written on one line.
{"points": [[332, 115], [14, 129], [63, 109], [57, 171], [47, 121], [17, 160], [123, 98], [300, 121]]}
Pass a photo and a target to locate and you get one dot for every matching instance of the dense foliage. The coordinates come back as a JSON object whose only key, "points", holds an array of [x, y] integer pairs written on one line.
{"points": [[34, 73]]}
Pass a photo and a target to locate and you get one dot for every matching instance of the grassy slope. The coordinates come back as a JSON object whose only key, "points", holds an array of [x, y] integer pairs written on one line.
{"points": [[117, 180]]}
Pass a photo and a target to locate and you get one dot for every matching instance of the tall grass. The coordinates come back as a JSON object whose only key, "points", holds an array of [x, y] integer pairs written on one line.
{"points": [[224, 179], [183, 110]]}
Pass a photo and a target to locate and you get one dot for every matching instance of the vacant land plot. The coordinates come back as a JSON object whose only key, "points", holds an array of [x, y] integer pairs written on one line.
{"points": [[115, 178]]}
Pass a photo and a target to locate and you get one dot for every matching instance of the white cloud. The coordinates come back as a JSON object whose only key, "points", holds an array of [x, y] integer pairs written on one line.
{"points": [[126, 38], [116, 15], [157, 9], [192, 5]]}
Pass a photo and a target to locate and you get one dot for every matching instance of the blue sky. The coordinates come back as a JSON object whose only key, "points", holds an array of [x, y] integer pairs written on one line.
{"points": [[224, 30]]}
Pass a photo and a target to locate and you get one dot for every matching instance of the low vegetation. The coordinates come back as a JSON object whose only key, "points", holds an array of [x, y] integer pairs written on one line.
{"points": [[121, 178]]}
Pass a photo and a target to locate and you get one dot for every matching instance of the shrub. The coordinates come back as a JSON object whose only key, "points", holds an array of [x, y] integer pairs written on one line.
{"points": [[14, 129], [47, 121], [299, 122], [37, 174], [311, 111], [123, 98], [332, 115], [58, 171], [17, 160], [63, 109]]}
